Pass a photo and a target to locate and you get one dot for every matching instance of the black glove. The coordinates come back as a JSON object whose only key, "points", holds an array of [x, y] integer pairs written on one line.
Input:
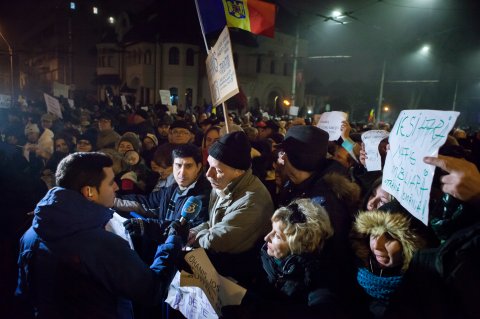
{"points": [[152, 229], [176, 228]]}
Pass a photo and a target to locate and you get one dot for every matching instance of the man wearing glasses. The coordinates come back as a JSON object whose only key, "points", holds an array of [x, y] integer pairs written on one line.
{"points": [[180, 133]]}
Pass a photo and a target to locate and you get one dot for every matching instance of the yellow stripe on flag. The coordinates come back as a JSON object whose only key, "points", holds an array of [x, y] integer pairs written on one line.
{"points": [[236, 13]]}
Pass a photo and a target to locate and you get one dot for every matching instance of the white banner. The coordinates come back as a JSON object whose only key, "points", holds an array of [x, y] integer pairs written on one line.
{"points": [[222, 78], [416, 134], [371, 140], [53, 106], [331, 123], [293, 110], [165, 97]]}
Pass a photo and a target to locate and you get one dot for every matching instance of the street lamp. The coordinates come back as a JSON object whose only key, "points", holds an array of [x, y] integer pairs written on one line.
{"points": [[10, 52]]}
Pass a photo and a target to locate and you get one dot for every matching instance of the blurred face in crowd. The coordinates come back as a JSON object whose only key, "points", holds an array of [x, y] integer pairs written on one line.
{"points": [[185, 170], [125, 146], [211, 138], [388, 252], [32, 137], [148, 144], [180, 136], [105, 194], [47, 123], [61, 146], [163, 130], [84, 146], [104, 124], [378, 198], [264, 132], [163, 170], [277, 245], [220, 175]]}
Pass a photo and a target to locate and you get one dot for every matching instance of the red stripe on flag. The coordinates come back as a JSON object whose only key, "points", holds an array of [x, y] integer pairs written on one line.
{"points": [[262, 17]]}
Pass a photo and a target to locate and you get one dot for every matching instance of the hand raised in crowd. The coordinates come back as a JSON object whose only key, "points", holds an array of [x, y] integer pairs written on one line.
{"points": [[345, 129], [462, 180], [363, 155]]}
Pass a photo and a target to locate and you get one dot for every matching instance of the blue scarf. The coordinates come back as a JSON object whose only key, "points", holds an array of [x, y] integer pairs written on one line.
{"points": [[376, 286]]}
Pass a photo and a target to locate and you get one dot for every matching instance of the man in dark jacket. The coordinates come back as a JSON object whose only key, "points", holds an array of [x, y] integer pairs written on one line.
{"points": [[166, 205], [70, 266]]}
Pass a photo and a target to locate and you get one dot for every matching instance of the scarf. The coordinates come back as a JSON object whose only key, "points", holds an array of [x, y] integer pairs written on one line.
{"points": [[376, 286]]}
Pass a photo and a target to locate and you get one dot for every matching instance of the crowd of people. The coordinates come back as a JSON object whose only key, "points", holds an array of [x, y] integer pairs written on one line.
{"points": [[294, 218]]}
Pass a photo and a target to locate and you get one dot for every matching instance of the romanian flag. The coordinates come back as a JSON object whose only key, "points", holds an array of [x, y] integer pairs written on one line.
{"points": [[254, 16], [371, 117]]}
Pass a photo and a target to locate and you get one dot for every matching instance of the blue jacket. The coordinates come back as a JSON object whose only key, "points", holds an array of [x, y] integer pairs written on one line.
{"points": [[71, 267], [157, 202]]}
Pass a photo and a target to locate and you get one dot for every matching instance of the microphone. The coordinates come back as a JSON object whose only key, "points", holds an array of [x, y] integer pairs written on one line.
{"points": [[192, 207]]}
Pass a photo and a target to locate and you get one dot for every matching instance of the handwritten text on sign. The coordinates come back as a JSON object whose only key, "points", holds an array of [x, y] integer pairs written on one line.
{"points": [[416, 134], [371, 140], [331, 123], [221, 74]]}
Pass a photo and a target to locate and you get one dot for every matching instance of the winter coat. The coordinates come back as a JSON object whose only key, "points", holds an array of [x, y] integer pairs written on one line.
{"points": [[379, 284], [71, 267], [239, 219], [339, 197], [155, 205], [443, 282]]}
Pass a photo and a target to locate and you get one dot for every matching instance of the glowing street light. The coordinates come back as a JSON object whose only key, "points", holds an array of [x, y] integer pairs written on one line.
{"points": [[386, 108], [425, 49], [111, 20]]}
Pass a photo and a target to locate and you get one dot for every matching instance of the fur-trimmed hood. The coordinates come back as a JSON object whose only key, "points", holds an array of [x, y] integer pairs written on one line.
{"points": [[397, 224]]}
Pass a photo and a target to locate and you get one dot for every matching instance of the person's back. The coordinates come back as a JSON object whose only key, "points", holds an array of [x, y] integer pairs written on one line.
{"points": [[70, 266]]}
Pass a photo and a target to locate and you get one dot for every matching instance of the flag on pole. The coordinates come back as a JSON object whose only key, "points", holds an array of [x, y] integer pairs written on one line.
{"points": [[371, 117], [254, 16]]}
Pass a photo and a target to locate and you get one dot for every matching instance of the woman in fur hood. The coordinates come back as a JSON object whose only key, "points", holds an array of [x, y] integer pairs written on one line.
{"points": [[384, 240]]}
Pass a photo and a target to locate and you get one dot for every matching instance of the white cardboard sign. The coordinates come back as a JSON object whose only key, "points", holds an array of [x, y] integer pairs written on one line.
{"points": [[60, 89], [371, 140], [53, 106], [331, 123], [293, 110], [165, 97], [222, 78], [5, 101], [416, 134]]}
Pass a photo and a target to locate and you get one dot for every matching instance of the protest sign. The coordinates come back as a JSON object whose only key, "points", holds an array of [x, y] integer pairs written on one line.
{"points": [[219, 290], [416, 134], [371, 140], [293, 110], [60, 89], [53, 106], [5, 101], [331, 123], [124, 100], [222, 78], [165, 97]]}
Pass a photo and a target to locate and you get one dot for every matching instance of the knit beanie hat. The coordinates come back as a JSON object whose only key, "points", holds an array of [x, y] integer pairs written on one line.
{"points": [[133, 139], [232, 149], [152, 137], [89, 135]]}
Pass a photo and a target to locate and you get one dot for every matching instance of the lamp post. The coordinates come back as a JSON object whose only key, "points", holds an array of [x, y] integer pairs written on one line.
{"points": [[10, 52]]}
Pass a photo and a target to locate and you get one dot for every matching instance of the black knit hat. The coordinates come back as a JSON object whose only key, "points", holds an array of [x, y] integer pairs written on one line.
{"points": [[306, 147], [232, 149]]}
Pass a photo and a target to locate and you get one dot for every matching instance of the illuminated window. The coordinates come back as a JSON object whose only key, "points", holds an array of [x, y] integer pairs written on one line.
{"points": [[95, 10]]}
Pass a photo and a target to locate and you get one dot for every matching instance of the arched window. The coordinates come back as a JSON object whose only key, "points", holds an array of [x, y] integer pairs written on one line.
{"points": [[259, 64], [147, 57], [190, 57], [272, 67], [173, 56]]}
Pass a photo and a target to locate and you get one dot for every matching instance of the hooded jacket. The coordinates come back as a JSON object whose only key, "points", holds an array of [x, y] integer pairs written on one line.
{"points": [[71, 267]]}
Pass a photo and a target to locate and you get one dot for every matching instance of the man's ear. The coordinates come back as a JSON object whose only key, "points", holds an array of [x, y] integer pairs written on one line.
{"points": [[87, 192]]}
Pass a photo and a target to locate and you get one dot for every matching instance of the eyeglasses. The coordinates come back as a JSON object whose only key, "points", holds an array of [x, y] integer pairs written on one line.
{"points": [[297, 216], [180, 132]]}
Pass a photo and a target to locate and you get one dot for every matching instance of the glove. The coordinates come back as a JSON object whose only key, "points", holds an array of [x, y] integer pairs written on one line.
{"points": [[152, 229], [177, 229]]}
